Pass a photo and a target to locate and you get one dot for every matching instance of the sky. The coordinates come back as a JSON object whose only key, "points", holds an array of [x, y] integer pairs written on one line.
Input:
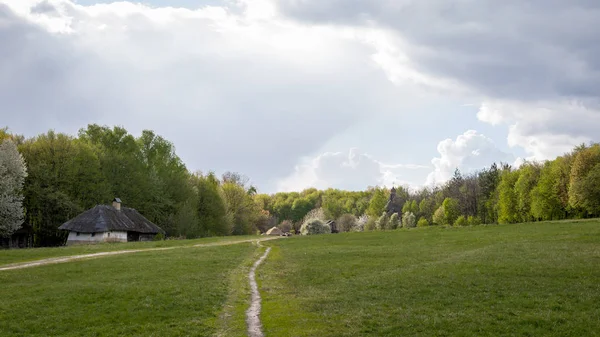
{"points": [[313, 93]]}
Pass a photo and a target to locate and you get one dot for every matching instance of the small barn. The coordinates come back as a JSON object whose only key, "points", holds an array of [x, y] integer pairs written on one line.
{"points": [[105, 223], [274, 232]]}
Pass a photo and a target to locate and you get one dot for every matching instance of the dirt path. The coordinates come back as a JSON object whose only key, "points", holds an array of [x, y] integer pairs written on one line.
{"points": [[253, 313], [63, 259]]}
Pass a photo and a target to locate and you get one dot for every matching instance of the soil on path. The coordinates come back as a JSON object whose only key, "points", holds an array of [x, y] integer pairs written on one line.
{"points": [[63, 259], [253, 313]]}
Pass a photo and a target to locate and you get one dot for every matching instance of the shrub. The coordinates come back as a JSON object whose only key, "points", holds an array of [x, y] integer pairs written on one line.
{"points": [[473, 221], [286, 226], [438, 216], [317, 213], [314, 227], [158, 237], [382, 222], [461, 221], [423, 222], [346, 223], [394, 222], [371, 224], [409, 220], [360, 223]]}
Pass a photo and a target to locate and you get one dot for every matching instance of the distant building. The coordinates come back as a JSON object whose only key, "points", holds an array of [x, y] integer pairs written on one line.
{"points": [[274, 232], [105, 223]]}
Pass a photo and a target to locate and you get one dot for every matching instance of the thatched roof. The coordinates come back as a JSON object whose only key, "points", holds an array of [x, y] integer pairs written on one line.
{"points": [[274, 231], [104, 218]]}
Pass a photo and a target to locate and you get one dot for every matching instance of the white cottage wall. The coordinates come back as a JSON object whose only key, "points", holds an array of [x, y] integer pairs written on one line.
{"points": [[98, 237]]}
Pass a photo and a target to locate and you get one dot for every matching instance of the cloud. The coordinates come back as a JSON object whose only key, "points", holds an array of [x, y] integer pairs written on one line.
{"points": [[352, 170], [519, 57], [470, 151], [544, 129], [234, 87]]}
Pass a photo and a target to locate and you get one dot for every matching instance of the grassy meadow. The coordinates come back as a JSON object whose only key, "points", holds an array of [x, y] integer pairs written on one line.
{"points": [[512, 280], [177, 292], [515, 280], [26, 255]]}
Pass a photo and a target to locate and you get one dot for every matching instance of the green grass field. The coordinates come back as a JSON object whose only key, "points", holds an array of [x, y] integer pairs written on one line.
{"points": [[25, 255], [517, 280]]}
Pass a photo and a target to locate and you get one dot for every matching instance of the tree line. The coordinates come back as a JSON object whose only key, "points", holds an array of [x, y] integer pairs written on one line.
{"points": [[51, 178]]}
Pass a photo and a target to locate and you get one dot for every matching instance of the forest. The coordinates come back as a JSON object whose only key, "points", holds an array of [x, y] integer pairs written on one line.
{"points": [[48, 179]]}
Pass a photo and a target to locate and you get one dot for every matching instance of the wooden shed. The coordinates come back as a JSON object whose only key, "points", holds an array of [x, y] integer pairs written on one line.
{"points": [[105, 223]]}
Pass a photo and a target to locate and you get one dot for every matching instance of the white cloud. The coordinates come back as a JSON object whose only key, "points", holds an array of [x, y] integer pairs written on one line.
{"points": [[352, 170], [470, 151], [544, 129], [234, 87]]}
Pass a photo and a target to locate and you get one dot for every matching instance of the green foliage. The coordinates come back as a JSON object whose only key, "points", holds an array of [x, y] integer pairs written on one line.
{"points": [[315, 227], [507, 202], [383, 222], [473, 221], [438, 216], [583, 180], [371, 224], [409, 220], [213, 216], [347, 223], [394, 222], [461, 221], [377, 203], [158, 237], [423, 222], [451, 211]]}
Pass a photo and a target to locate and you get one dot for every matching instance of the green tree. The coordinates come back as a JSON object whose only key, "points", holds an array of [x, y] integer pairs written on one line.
{"points": [[585, 161], [377, 203], [507, 198], [12, 177], [451, 211], [528, 178], [394, 222], [213, 217], [383, 221]]}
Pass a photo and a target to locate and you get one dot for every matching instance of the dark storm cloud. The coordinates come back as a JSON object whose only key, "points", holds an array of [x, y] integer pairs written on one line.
{"points": [[514, 49]]}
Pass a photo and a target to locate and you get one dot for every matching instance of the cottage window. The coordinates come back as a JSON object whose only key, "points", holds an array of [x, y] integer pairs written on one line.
{"points": [[93, 234], [77, 234], [109, 234]]}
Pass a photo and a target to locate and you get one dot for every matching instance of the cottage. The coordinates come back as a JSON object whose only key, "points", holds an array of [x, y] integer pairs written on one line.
{"points": [[274, 232], [105, 223]]}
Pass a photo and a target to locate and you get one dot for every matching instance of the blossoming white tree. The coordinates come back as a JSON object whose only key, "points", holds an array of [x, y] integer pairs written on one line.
{"points": [[12, 178]]}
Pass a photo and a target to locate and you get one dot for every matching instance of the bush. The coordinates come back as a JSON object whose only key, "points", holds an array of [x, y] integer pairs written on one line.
{"points": [[382, 222], [158, 237], [438, 216], [317, 213], [461, 221], [361, 223], [423, 222], [473, 221], [286, 226], [409, 220], [394, 222], [314, 227], [371, 224], [346, 223]]}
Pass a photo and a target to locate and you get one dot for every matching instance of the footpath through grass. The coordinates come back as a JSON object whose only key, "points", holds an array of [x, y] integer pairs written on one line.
{"points": [[10, 256], [177, 292], [518, 280]]}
